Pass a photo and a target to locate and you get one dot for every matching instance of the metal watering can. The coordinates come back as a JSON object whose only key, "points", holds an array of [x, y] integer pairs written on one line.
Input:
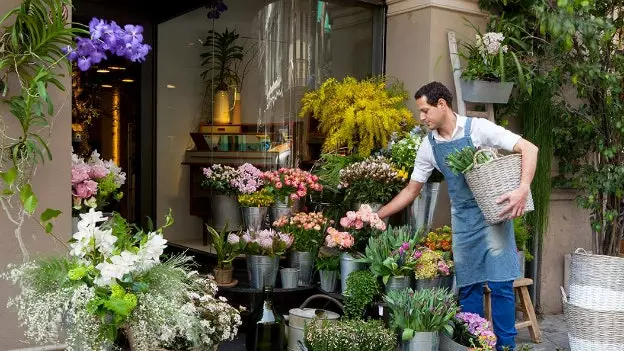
{"points": [[298, 317]]}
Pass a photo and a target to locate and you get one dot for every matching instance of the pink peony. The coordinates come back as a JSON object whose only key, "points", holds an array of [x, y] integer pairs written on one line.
{"points": [[365, 209], [345, 222], [80, 173], [98, 171], [86, 189], [351, 215], [359, 224]]}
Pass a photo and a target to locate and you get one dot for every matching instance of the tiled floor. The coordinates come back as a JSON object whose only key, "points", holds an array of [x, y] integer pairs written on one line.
{"points": [[554, 335]]}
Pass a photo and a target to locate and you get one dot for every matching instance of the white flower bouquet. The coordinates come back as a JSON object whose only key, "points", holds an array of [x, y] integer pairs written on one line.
{"points": [[113, 286]]}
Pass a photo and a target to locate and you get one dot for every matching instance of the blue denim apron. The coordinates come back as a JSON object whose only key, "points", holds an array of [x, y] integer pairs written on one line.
{"points": [[481, 252]]}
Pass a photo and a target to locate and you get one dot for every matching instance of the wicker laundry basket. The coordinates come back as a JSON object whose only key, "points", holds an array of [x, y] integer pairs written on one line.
{"points": [[592, 330], [488, 181], [597, 281]]}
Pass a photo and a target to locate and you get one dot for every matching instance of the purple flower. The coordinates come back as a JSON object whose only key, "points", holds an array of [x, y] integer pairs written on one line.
{"points": [[133, 34], [97, 28]]}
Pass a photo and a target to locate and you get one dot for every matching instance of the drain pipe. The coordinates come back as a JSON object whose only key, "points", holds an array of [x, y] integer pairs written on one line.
{"points": [[534, 269]]}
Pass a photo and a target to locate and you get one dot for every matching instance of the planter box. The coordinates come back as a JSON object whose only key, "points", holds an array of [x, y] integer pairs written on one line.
{"points": [[486, 92]]}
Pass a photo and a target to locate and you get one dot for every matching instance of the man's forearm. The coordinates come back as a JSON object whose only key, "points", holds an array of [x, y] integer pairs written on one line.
{"points": [[529, 163], [399, 202]]}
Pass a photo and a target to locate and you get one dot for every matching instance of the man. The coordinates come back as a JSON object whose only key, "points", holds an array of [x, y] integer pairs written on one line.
{"points": [[482, 253]]}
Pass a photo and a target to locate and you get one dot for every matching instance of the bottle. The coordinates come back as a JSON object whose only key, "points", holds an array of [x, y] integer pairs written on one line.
{"points": [[266, 327]]}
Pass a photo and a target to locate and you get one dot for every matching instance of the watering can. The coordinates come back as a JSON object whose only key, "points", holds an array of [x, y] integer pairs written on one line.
{"points": [[298, 317]]}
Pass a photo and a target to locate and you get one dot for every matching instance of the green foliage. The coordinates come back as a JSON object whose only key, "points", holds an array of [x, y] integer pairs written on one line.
{"points": [[226, 253], [382, 253], [362, 287], [223, 53], [359, 115], [327, 262], [462, 161], [424, 310], [583, 36], [523, 236], [348, 335]]}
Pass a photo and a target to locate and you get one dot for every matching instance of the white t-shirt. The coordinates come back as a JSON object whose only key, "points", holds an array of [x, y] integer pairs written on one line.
{"points": [[484, 134]]}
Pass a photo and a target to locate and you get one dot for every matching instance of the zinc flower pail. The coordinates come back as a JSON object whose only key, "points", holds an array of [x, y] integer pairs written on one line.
{"points": [[254, 217], [348, 265], [423, 341], [262, 270], [398, 282], [305, 262], [328, 280]]}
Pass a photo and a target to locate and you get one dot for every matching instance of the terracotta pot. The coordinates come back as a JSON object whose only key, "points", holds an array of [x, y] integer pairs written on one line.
{"points": [[223, 276]]}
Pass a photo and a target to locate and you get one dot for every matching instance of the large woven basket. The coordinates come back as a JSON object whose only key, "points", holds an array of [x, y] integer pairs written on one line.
{"points": [[488, 181], [597, 281], [591, 330]]}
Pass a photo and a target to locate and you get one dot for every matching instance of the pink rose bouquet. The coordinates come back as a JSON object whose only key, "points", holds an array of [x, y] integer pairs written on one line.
{"points": [[95, 183], [266, 242], [291, 183], [362, 224], [341, 240], [306, 228], [474, 331]]}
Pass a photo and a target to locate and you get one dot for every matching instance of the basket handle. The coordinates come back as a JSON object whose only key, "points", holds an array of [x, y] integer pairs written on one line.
{"points": [[321, 296], [564, 296], [482, 151], [581, 250]]}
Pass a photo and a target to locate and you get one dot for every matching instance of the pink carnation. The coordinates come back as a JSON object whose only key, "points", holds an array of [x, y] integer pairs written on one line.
{"points": [[86, 189]]}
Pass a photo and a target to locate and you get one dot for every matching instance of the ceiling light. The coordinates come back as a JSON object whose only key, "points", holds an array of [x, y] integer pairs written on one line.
{"points": [[117, 68], [127, 80], [106, 86], [103, 71], [170, 86]]}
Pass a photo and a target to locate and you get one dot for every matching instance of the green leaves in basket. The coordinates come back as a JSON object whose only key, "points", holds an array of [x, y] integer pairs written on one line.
{"points": [[462, 161]]}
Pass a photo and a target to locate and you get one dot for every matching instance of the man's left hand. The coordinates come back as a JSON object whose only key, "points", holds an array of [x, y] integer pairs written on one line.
{"points": [[517, 200]]}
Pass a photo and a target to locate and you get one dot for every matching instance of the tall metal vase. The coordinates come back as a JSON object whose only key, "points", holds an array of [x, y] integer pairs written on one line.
{"points": [[328, 280], [419, 214], [284, 208], [254, 217], [348, 265], [224, 209], [399, 282], [305, 262], [423, 341], [262, 270]]}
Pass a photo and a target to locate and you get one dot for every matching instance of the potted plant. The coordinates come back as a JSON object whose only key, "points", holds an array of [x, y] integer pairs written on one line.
{"points": [[223, 204], [225, 245], [362, 288], [390, 256], [95, 185], [421, 315], [263, 249], [328, 265], [307, 230], [433, 268], [114, 289], [289, 186], [486, 77], [373, 181], [352, 335], [358, 115], [470, 332], [219, 62], [361, 225]]}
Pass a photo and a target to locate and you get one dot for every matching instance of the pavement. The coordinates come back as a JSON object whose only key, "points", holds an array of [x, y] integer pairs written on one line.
{"points": [[554, 335]]}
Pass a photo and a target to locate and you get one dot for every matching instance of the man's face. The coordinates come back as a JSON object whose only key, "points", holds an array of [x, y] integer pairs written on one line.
{"points": [[432, 116]]}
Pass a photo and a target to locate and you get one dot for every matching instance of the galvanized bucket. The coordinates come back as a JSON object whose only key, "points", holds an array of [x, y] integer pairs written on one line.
{"points": [[223, 210], [423, 341], [254, 217], [398, 282], [298, 317], [348, 265], [420, 212], [305, 262], [262, 270], [328, 280], [290, 277]]}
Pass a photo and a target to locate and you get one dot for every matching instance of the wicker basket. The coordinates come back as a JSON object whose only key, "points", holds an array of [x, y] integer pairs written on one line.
{"points": [[596, 281], [489, 181], [591, 330]]}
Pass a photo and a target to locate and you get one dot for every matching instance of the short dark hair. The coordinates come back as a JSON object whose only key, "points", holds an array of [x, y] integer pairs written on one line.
{"points": [[435, 91]]}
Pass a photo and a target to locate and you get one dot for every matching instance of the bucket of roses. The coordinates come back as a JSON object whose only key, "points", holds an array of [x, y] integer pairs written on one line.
{"points": [[115, 290], [289, 186], [307, 230]]}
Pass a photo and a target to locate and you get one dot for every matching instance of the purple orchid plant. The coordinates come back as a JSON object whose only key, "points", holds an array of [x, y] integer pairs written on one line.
{"points": [[108, 37]]}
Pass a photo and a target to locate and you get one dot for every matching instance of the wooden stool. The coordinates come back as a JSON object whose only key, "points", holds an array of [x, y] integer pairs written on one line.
{"points": [[525, 306]]}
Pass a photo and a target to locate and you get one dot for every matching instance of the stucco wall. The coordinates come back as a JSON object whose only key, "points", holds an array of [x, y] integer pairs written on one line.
{"points": [[52, 186]]}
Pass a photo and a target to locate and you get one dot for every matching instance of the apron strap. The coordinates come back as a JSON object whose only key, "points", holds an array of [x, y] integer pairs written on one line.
{"points": [[468, 126], [431, 138]]}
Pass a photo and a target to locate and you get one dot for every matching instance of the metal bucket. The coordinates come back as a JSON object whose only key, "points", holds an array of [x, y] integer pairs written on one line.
{"points": [[423, 341], [447, 344], [305, 262], [431, 283], [328, 280], [282, 208], [262, 270], [399, 282], [290, 277], [254, 217], [420, 212], [223, 210], [298, 317], [348, 265]]}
